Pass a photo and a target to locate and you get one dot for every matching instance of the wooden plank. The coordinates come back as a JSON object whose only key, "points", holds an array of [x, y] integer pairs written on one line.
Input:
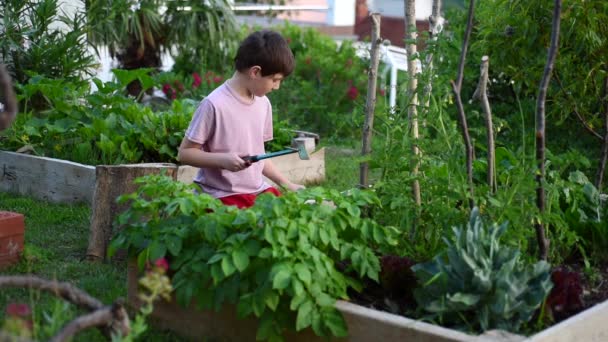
{"points": [[49, 179], [296, 170]]}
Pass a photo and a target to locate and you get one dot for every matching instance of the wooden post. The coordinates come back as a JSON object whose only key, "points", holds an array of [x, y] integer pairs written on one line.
{"points": [[411, 35], [543, 242], [481, 93], [111, 182], [462, 118], [370, 103]]}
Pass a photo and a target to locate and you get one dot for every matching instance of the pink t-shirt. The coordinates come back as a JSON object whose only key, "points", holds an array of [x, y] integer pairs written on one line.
{"points": [[225, 122]]}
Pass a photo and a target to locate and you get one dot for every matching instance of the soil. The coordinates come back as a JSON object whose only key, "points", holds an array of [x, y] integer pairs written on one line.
{"points": [[595, 287], [594, 291]]}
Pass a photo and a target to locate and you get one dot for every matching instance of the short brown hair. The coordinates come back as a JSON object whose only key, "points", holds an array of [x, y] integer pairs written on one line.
{"points": [[269, 50]]}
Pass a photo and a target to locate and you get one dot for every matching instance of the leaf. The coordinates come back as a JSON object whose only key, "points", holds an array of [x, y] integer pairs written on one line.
{"points": [[272, 300], [281, 279], [174, 244], [244, 307], [303, 273], [304, 318], [334, 321], [240, 260], [227, 266], [157, 250], [297, 300]]}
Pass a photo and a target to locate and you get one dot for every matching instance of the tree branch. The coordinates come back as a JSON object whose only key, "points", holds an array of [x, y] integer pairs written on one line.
{"points": [[109, 319], [114, 317], [543, 242], [456, 87], [576, 112], [481, 93], [370, 103]]}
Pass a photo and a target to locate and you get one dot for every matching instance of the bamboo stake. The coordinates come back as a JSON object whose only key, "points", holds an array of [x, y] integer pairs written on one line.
{"points": [[411, 36], [456, 86], [435, 27], [370, 103], [481, 93], [543, 242]]}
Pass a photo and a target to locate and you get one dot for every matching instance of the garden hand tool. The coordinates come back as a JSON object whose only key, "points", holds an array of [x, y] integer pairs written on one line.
{"points": [[301, 150]]}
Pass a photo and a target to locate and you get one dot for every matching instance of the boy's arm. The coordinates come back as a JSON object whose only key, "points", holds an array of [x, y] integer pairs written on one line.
{"points": [[275, 175], [190, 153]]}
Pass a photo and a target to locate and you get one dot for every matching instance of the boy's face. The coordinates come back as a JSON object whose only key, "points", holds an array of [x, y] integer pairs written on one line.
{"points": [[265, 84]]}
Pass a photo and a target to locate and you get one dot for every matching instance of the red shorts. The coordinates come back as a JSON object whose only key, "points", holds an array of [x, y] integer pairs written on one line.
{"points": [[246, 200]]}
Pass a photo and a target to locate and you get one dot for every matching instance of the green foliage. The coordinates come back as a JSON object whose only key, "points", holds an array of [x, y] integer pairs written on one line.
{"points": [[516, 35], [479, 284], [326, 92], [200, 33], [104, 127], [276, 260], [37, 40]]}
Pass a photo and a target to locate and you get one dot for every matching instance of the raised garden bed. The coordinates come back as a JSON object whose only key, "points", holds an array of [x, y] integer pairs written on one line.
{"points": [[62, 181], [364, 324]]}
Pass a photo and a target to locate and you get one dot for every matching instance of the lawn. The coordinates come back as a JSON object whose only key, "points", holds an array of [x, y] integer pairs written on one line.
{"points": [[56, 242]]}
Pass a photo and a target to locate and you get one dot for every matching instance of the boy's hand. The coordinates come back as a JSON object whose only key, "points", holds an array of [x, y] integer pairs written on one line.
{"points": [[232, 162], [294, 187]]}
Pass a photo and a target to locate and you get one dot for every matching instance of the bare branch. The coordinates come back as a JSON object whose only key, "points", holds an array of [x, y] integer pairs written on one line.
{"points": [[465, 45], [64, 290], [543, 242], [108, 318], [114, 317], [481, 93], [456, 87], [370, 103], [576, 112]]}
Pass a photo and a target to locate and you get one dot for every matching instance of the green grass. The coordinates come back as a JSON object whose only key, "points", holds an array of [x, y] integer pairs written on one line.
{"points": [[56, 239]]}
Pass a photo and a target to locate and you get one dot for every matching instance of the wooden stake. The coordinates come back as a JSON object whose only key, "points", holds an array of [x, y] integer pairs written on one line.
{"points": [[543, 242], [481, 93], [370, 103], [111, 182], [456, 87], [411, 35]]}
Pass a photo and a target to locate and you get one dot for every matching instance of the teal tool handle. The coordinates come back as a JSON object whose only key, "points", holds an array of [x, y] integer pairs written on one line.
{"points": [[259, 157]]}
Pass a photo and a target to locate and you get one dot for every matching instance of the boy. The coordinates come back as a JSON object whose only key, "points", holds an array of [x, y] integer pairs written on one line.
{"points": [[235, 120]]}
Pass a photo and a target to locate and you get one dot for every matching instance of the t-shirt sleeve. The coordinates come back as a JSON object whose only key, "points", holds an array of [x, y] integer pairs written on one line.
{"points": [[268, 124], [202, 124]]}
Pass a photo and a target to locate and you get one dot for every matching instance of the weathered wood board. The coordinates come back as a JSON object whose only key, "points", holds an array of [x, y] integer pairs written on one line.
{"points": [[299, 171], [62, 181], [49, 179]]}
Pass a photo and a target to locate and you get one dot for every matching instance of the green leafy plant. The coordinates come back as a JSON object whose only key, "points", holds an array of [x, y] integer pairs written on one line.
{"points": [[479, 284], [276, 260], [136, 32], [37, 39]]}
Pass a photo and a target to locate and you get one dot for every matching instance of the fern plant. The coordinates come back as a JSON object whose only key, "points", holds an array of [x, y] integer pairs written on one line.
{"points": [[479, 284]]}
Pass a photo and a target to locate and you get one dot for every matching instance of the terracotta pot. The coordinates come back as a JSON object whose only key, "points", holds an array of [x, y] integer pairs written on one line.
{"points": [[12, 228]]}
